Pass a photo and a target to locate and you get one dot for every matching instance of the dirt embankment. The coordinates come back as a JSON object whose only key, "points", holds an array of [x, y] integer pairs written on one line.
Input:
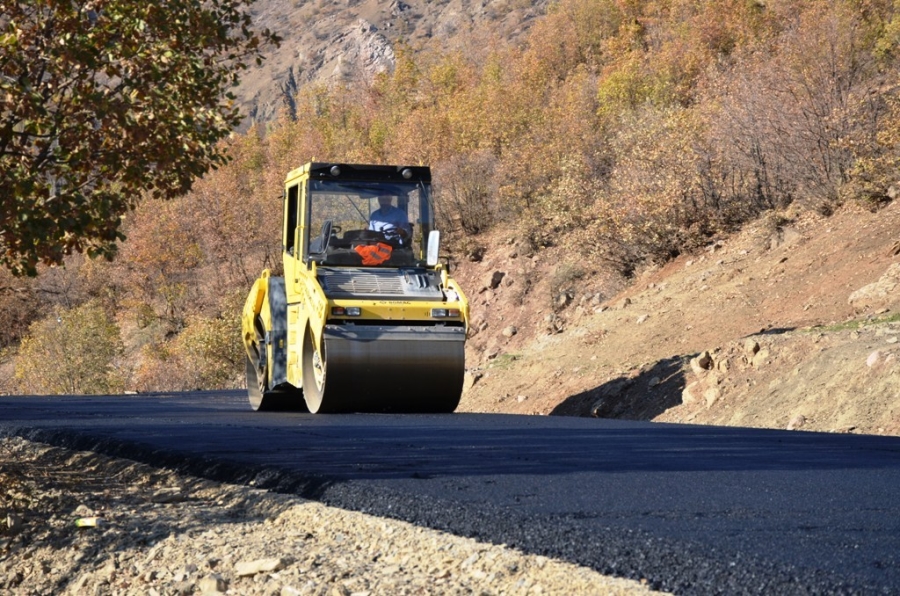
{"points": [[793, 323], [79, 523]]}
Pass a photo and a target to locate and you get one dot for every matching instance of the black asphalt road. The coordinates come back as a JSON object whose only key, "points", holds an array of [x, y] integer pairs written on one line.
{"points": [[691, 509]]}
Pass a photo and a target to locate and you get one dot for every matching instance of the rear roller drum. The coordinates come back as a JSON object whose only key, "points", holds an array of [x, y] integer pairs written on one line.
{"points": [[262, 397]]}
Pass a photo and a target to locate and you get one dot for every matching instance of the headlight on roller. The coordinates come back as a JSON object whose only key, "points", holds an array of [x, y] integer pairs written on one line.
{"points": [[445, 313]]}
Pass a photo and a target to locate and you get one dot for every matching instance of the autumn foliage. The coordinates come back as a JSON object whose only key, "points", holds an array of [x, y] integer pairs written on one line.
{"points": [[105, 101], [632, 131]]}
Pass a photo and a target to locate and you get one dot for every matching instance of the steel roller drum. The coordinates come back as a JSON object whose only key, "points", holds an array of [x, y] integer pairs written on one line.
{"points": [[398, 368]]}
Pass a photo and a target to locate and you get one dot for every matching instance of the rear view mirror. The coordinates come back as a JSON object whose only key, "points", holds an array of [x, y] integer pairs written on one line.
{"points": [[434, 247]]}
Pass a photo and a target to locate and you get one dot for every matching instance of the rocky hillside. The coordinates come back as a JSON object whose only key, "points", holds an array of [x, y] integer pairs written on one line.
{"points": [[349, 43], [793, 323]]}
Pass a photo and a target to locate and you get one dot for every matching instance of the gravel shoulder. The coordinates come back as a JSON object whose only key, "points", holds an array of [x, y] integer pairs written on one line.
{"points": [[83, 523]]}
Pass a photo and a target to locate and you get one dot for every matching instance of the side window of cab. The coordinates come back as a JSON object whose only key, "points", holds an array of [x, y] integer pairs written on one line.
{"points": [[290, 220]]}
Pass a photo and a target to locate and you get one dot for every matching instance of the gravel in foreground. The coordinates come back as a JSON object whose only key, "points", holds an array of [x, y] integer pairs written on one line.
{"points": [[83, 523]]}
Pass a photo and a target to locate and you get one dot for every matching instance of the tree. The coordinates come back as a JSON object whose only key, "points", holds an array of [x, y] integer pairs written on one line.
{"points": [[161, 258], [19, 306], [103, 102]]}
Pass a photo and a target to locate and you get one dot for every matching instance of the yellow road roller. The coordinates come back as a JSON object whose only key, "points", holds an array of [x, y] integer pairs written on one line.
{"points": [[366, 317]]}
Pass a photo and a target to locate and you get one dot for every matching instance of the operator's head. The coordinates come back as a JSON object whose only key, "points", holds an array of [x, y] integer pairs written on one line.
{"points": [[385, 201]]}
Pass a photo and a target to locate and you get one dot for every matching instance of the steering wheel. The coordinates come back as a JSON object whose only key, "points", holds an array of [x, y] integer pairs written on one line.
{"points": [[396, 236]]}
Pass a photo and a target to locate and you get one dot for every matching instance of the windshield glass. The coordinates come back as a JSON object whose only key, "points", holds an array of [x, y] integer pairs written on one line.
{"points": [[368, 223]]}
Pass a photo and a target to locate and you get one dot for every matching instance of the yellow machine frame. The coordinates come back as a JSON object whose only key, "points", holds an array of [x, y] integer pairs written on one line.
{"points": [[291, 326]]}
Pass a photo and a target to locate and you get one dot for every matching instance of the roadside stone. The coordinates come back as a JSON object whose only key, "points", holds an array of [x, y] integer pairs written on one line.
{"points": [[15, 523], [873, 358], [642, 319], [168, 495], [711, 396], [882, 293], [761, 358], [469, 380], [893, 192], [701, 363], [553, 323], [212, 584], [601, 408], [493, 282], [796, 422], [609, 396], [245, 568], [476, 254], [751, 347], [83, 511], [509, 331], [688, 395]]}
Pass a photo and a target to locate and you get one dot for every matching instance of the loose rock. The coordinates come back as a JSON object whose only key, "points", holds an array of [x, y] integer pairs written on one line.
{"points": [[796, 422], [751, 347], [882, 293], [493, 282], [245, 568], [701, 363], [873, 358]]}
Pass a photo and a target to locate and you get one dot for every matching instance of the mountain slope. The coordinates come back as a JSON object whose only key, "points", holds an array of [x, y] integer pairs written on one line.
{"points": [[349, 43]]}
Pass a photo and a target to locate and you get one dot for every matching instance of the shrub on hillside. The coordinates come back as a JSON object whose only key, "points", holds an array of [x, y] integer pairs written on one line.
{"points": [[654, 206], [467, 193], [207, 354], [874, 178], [788, 114], [74, 352]]}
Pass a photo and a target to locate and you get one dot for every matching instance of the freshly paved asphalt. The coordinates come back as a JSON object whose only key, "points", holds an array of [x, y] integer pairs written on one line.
{"points": [[691, 509]]}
